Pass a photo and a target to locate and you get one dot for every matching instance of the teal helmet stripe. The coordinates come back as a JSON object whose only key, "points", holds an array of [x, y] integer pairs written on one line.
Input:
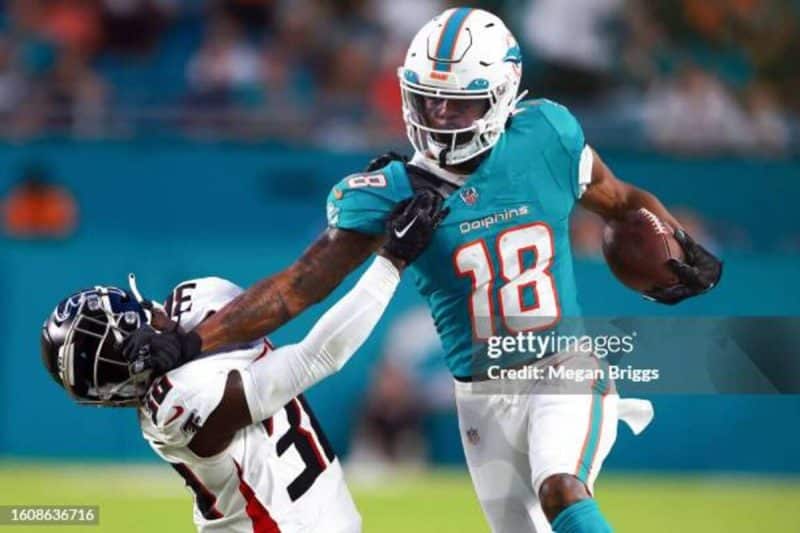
{"points": [[449, 37]]}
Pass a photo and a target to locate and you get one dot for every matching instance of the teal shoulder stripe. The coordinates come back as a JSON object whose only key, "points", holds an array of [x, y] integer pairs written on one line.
{"points": [[449, 37]]}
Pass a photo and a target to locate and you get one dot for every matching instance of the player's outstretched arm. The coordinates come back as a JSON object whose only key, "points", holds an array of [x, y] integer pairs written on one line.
{"points": [[259, 310], [275, 300], [611, 198], [256, 392]]}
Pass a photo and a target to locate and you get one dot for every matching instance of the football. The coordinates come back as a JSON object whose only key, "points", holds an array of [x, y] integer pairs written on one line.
{"points": [[637, 248]]}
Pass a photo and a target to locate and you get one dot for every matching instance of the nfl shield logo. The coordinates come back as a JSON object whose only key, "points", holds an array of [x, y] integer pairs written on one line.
{"points": [[469, 195], [473, 437]]}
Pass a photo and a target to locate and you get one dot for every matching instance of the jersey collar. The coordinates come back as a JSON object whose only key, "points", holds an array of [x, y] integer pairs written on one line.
{"points": [[450, 177]]}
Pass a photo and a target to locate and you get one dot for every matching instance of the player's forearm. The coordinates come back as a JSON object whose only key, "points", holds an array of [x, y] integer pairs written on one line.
{"points": [[259, 310], [272, 302]]}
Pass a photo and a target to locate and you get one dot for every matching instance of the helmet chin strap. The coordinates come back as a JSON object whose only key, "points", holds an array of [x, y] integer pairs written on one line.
{"points": [[147, 305], [440, 150], [443, 156]]}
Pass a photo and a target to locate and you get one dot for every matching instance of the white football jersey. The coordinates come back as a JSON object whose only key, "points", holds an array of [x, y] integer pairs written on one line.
{"points": [[280, 475]]}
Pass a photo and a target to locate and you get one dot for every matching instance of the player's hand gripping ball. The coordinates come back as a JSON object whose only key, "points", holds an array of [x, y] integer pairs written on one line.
{"points": [[663, 264]]}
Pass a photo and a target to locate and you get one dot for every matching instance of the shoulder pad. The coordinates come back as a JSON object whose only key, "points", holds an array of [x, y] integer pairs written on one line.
{"points": [[192, 301], [555, 132], [362, 201], [177, 405], [559, 119]]}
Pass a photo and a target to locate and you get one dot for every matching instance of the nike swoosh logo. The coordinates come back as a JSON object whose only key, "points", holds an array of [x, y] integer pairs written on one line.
{"points": [[401, 233], [178, 413]]}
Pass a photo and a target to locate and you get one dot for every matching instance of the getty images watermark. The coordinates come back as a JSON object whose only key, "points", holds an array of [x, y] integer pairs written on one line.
{"points": [[643, 355], [530, 349]]}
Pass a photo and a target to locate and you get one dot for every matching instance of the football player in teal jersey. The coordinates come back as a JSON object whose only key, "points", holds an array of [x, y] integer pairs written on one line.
{"points": [[511, 171]]}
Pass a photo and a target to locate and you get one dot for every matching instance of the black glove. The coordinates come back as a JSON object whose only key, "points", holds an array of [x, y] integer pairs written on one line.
{"points": [[411, 225], [383, 160], [700, 272], [146, 349]]}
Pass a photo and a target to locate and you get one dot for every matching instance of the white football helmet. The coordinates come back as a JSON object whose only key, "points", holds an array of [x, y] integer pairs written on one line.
{"points": [[463, 53]]}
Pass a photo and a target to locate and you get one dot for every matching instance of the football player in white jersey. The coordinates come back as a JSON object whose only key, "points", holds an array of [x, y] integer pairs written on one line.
{"points": [[235, 426]]}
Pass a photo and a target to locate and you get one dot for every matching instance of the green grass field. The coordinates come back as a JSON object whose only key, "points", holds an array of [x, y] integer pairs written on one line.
{"points": [[152, 499]]}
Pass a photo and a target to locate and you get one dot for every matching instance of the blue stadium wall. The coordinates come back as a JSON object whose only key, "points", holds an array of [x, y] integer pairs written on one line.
{"points": [[174, 210]]}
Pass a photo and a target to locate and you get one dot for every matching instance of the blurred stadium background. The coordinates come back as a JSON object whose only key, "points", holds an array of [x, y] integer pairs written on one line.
{"points": [[182, 138]]}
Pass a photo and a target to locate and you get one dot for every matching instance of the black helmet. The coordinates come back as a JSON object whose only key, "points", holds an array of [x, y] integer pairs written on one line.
{"points": [[82, 346]]}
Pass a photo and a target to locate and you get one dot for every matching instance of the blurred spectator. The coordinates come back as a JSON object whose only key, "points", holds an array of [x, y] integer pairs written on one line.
{"points": [[224, 75], [289, 61], [385, 99], [12, 83], [403, 18], [225, 64], [348, 64], [646, 53], [35, 48], [326, 71], [411, 382], [696, 112], [693, 113], [132, 25], [76, 97], [73, 24], [345, 81], [252, 14], [37, 208], [573, 44], [769, 129]]}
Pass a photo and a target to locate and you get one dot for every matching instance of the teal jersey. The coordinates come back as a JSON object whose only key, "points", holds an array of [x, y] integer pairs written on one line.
{"points": [[500, 263]]}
